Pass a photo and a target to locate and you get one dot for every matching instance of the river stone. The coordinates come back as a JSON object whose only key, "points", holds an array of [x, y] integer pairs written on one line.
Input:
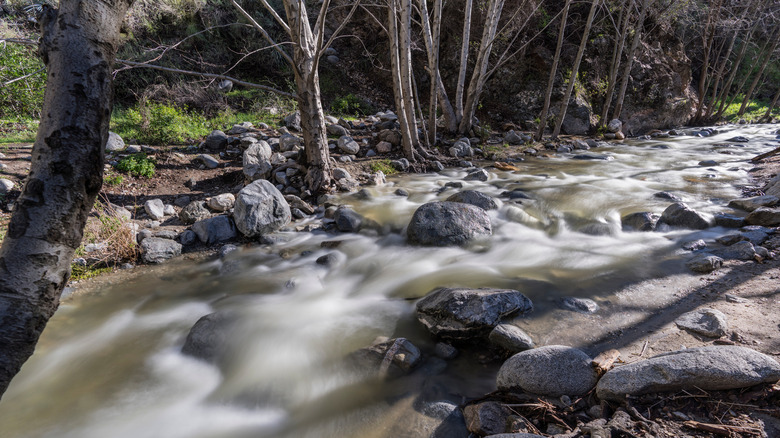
{"points": [[704, 263], [487, 418], [155, 209], [706, 322], [216, 141], [223, 202], [405, 357], [288, 142], [728, 220], [348, 145], [680, 215], [461, 148], [208, 161], [694, 245], [337, 130], [710, 368], [614, 125], [209, 336], [743, 250], [157, 250], [260, 208], [756, 234], [257, 161], [513, 138], [188, 237], [581, 305], [193, 212], [765, 216], [215, 229], [642, 221], [511, 338], [448, 223], [553, 371], [750, 204], [477, 175], [293, 121], [738, 139], [114, 142], [462, 313], [473, 197], [348, 220], [667, 195]]}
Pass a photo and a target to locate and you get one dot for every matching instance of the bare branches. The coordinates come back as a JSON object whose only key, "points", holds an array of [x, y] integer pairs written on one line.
{"points": [[263, 32], [21, 78]]}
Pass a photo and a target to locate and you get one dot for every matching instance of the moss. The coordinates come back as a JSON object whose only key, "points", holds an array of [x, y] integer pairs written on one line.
{"points": [[382, 165]]}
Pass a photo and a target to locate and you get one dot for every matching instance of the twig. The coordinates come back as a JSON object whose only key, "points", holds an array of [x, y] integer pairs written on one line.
{"points": [[721, 429]]}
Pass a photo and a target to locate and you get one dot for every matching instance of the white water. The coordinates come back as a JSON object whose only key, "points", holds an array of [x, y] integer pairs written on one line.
{"points": [[109, 365]]}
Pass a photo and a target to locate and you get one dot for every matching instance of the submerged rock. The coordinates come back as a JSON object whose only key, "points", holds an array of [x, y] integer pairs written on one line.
{"points": [[473, 197], [448, 224], [553, 370], [642, 221], [394, 357], [581, 305], [208, 338]]}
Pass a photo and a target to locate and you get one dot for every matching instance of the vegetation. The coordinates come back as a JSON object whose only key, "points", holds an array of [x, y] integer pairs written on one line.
{"points": [[383, 166], [137, 165], [22, 98]]}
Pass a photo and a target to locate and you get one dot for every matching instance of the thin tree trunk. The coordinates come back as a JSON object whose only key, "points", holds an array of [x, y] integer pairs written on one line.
{"points": [[79, 45], [614, 66], [767, 58], [398, 88], [431, 36], [575, 69], [405, 36], [768, 114], [626, 76], [708, 39], [553, 71], [464, 58], [734, 69], [719, 76]]}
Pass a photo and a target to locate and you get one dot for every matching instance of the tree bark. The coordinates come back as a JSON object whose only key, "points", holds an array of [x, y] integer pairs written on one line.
{"points": [[614, 66], [402, 100], [760, 74], [708, 39], [768, 114], [464, 57], [724, 94], [631, 55], [78, 47], [575, 69], [432, 37], [553, 71]]}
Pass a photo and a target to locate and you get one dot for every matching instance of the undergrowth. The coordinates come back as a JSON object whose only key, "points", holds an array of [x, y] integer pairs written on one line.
{"points": [[755, 110], [137, 165], [114, 236], [382, 165]]}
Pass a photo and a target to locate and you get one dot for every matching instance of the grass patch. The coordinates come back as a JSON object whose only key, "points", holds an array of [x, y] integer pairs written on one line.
{"points": [[80, 272], [383, 166], [18, 131], [111, 233], [137, 165], [753, 112], [113, 180]]}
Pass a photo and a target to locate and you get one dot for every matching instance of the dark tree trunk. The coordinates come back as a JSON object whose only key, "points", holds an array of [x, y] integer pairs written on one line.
{"points": [[553, 71], [78, 47]]}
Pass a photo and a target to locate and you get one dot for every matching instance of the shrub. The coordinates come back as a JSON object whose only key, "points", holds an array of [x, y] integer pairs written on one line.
{"points": [[159, 124], [382, 165], [113, 180], [105, 227], [137, 165], [22, 98], [350, 105]]}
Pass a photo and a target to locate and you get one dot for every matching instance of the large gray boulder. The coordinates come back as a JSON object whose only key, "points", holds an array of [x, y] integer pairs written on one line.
{"points": [[155, 209], [680, 215], [216, 141], [257, 161], [765, 216], [750, 204], [260, 209], [473, 197], [707, 368], [209, 337], [462, 313], [114, 142], [447, 224], [216, 229], [704, 263], [461, 148], [156, 250], [348, 145], [553, 371], [293, 121]]}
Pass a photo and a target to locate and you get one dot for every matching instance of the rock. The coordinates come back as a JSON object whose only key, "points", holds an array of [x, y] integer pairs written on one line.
{"points": [[620, 136], [739, 251], [348, 220], [708, 163], [738, 139], [579, 115], [708, 368], [143, 234], [260, 209], [289, 142], [765, 216], [293, 121], [216, 141], [166, 234], [680, 215], [461, 148], [337, 130], [156, 250], [155, 209], [730, 239], [581, 305], [477, 175], [694, 245], [401, 192], [240, 128], [667, 195], [706, 322], [223, 202], [390, 136], [487, 418], [448, 223], [209, 337], [513, 138], [133, 149], [756, 234], [215, 229], [348, 145], [590, 156], [553, 371], [400, 165], [384, 147], [751, 204], [510, 338], [114, 142], [257, 161], [462, 313], [445, 351], [728, 220], [643, 221], [405, 357], [187, 237], [473, 197], [208, 161], [614, 125], [193, 212], [579, 144]]}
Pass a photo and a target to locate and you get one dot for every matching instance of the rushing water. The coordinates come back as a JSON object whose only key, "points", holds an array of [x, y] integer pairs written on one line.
{"points": [[109, 364]]}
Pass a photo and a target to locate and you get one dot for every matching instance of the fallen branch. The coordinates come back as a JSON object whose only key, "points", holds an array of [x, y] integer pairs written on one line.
{"points": [[721, 429], [774, 151]]}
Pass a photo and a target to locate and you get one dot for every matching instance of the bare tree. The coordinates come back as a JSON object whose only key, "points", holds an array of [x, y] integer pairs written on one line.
{"points": [[617, 52], [767, 56], [626, 76], [708, 39], [553, 72], [78, 46]]}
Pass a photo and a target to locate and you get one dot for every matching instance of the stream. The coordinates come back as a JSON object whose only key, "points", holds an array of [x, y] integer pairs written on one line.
{"points": [[110, 365]]}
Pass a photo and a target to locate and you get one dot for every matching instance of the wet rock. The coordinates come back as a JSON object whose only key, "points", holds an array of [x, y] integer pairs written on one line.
{"points": [[394, 357], [614, 125], [209, 337], [708, 163], [114, 142], [215, 229], [728, 220], [461, 313], [738, 139], [581, 305], [730, 239], [667, 195], [554, 371], [590, 156], [445, 351], [155, 209], [448, 223], [680, 215], [473, 197], [156, 250], [487, 418], [348, 220], [260, 209], [743, 250], [193, 212], [642, 221], [477, 175], [187, 237], [755, 234], [348, 145], [751, 204], [511, 338], [694, 245], [704, 368], [216, 141], [257, 161], [706, 322], [515, 194], [461, 148], [765, 216], [222, 202]]}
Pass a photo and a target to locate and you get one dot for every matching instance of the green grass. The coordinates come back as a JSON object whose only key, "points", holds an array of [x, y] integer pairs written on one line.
{"points": [[79, 272], [754, 111], [382, 165], [137, 165], [113, 180], [18, 131]]}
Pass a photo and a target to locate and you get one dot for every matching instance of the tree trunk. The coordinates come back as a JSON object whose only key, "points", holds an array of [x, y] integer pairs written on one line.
{"points": [[626, 76], [614, 66], [753, 85], [401, 99], [724, 94], [719, 76], [405, 37], [768, 114], [464, 57], [78, 47], [708, 39], [575, 69], [553, 71], [432, 37]]}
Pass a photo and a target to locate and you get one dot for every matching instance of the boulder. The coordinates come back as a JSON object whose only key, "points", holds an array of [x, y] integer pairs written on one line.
{"points": [[614, 125], [461, 148], [155, 209], [477, 175], [751, 204], [156, 250], [209, 161], [390, 136], [257, 161], [728, 220], [216, 141], [215, 229], [578, 119], [348, 220], [223, 202], [743, 250], [193, 212], [553, 371], [6, 185], [510, 338], [513, 138], [642, 221], [384, 147], [293, 121], [114, 142], [473, 197], [706, 322], [704, 368], [260, 209], [448, 223], [209, 336], [337, 130], [765, 216], [487, 418], [704, 263], [348, 145], [394, 357], [240, 128], [680, 215], [188, 237], [462, 313]]}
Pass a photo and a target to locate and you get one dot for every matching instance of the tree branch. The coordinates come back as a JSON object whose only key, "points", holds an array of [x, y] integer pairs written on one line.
{"points": [[264, 33], [339, 29]]}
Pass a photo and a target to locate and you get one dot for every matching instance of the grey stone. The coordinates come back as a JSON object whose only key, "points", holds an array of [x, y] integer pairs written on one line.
{"points": [[765, 216], [208, 161], [445, 351], [157, 250], [216, 229], [511, 338], [708, 368], [738, 139], [337, 130], [155, 209], [293, 121], [751, 204], [405, 357], [680, 215], [462, 313], [595, 157], [188, 237], [209, 337], [143, 234], [730, 239], [348, 145], [667, 195], [473, 197], [743, 250], [114, 142], [694, 245], [257, 161], [348, 220], [554, 371], [461, 148], [728, 220], [402, 164], [706, 322], [515, 435], [614, 125], [166, 234], [216, 141], [193, 212], [222, 202], [391, 136], [169, 210], [133, 149], [513, 138], [487, 418], [581, 305], [384, 147], [756, 234], [260, 209], [477, 175], [708, 163], [240, 128], [448, 223], [642, 221], [288, 142]]}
